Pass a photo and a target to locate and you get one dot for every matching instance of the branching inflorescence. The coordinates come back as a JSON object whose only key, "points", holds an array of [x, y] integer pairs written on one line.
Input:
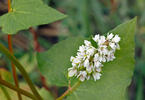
{"points": [[89, 60]]}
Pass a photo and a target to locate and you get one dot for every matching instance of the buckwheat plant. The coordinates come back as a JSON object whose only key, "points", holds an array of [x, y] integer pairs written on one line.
{"points": [[54, 63], [89, 60]]}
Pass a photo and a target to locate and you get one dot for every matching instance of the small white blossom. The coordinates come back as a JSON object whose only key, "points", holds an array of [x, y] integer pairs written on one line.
{"points": [[96, 57], [71, 72], [86, 63], [72, 58], [89, 68], [90, 51], [99, 69], [112, 45], [102, 58], [82, 75], [103, 49], [89, 60], [96, 38], [109, 36], [101, 40], [116, 39], [82, 48], [97, 64], [87, 43], [96, 76], [76, 60]]}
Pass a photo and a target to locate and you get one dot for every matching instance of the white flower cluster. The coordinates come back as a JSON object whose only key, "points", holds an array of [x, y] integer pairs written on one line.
{"points": [[89, 60]]}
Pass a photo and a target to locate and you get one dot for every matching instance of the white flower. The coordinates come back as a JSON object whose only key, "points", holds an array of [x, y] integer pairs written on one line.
{"points": [[86, 63], [82, 75], [109, 36], [96, 38], [76, 60], [99, 69], [72, 58], [112, 45], [96, 57], [89, 68], [82, 48], [74, 64], [102, 58], [72, 71], [97, 64], [89, 60], [103, 49], [101, 40], [110, 56], [90, 51], [96, 76], [116, 39], [87, 43]]}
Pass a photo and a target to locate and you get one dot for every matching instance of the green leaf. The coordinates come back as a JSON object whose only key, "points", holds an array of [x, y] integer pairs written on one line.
{"points": [[116, 74], [54, 63], [45, 94], [28, 13], [5, 75]]}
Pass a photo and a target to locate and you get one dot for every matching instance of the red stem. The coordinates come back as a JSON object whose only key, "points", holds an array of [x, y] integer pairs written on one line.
{"points": [[36, 44], [9, 5], [113, 6], [37, 48], [11, 50]]}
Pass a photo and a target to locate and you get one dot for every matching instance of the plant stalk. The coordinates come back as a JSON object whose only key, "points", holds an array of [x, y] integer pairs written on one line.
{"points": [[21, 69], [11, 50], [70, 90], [36, 44], [11, 86]]}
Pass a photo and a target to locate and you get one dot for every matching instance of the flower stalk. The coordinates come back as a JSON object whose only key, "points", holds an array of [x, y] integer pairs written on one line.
{"points": [[70, 90]]}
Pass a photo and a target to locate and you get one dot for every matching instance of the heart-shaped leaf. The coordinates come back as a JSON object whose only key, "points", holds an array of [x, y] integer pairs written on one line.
{"points": [[116, 74], [27, 13]]}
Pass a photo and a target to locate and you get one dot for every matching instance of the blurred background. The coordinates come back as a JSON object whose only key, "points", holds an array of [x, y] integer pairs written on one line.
{"points": [[85, 18]]}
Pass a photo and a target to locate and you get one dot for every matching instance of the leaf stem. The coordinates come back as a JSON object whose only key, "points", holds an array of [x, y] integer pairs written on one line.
{"points": [[11, 50], [11, 86], [69, 90], [13, 66], [9, 5], [36, 44], [21, 69]]}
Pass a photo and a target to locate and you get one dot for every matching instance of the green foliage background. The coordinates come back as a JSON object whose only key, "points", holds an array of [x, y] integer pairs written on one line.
{"points": [[85, 18]]}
